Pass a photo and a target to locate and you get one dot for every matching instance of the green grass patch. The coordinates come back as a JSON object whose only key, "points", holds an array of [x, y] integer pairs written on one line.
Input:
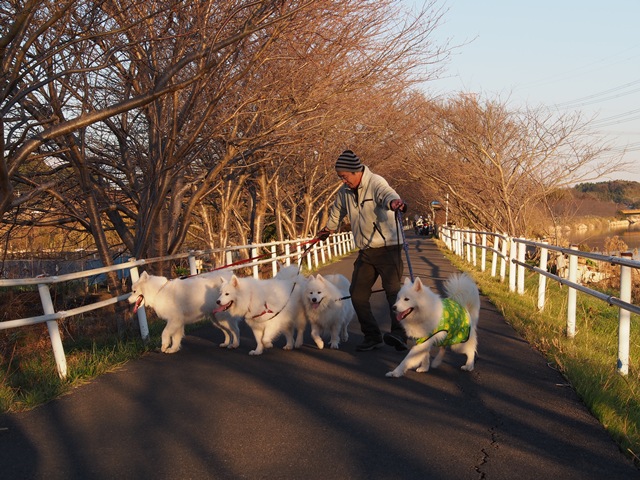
{"points": [[589, 360], [28, 376]]}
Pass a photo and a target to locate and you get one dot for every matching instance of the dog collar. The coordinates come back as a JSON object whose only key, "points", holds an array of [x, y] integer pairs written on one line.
{"points": [[264, 312]]}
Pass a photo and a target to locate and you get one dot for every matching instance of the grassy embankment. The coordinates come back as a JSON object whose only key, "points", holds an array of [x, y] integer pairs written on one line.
{"points": [[588, 361]]}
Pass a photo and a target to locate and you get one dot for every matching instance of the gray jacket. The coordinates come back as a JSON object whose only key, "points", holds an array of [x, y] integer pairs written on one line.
{"points": [[373, 223]]}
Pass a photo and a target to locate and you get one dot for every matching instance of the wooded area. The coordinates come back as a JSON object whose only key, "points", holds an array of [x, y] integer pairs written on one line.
{"points": [[146, 127]]}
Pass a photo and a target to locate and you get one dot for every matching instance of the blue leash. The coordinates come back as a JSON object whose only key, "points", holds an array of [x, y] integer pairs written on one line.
{"points": [[405, 245]]}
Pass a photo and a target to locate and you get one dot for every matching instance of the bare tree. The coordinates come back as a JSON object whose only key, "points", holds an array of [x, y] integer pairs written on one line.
{"points": [[498, 165], [128, 117]]}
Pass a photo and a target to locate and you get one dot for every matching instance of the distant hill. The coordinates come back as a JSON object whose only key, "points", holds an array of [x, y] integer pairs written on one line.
{"points": [[623, 193], [602, 199]]}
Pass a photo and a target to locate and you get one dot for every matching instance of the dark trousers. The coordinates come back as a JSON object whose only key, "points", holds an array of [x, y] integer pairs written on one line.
{"points": [[371, 263]]}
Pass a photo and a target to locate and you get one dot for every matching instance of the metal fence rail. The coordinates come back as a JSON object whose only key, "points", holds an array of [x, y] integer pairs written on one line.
{"points": [[315, 253], [513, 251]]}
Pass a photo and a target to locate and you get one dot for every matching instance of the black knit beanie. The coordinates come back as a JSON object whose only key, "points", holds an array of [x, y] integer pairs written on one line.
{"points": [[348, 162]]}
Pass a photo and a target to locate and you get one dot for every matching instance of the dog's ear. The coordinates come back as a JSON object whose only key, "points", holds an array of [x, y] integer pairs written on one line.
{"points": [[407, 281], [234, 281], [144, 275], [320, 278], [417, 285]]}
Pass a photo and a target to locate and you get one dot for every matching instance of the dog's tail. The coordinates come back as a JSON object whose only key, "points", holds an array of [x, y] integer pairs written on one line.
{"points": [[461, 288]]}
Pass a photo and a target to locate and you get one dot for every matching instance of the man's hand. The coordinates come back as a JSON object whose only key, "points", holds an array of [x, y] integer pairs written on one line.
{"points": [[323, 234], [398, 204]]}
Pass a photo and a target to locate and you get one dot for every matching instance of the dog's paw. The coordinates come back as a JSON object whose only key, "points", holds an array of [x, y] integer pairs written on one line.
{"points": [[224, 345], [171, 350], [467, 368], [394, 374], [233, 346], [255, 352], [335, 345], [319, 344], [287, 347]]}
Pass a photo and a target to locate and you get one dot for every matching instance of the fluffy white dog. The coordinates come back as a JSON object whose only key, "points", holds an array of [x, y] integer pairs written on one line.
{"points": [[328, 308], [184, 301], [271, 307], [436, 322]]}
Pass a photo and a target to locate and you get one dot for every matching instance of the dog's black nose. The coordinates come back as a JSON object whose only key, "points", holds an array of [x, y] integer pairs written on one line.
{"points": [[218, 302]]}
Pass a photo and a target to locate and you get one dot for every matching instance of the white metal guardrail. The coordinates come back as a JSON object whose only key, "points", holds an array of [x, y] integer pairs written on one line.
{"points": [[316, 254], [513, 251]]}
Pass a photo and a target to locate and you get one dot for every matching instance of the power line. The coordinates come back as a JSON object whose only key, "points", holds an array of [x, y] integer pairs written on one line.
{"points": [[615, 119], [598, 97], [605, 92]]}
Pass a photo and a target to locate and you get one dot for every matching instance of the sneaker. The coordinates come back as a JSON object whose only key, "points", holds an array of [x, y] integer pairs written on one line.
{"points": [[396, 341], [368, 344]]}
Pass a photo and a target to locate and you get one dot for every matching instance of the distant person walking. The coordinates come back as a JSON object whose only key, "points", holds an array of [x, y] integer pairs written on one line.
{"points": [[369, 203]]}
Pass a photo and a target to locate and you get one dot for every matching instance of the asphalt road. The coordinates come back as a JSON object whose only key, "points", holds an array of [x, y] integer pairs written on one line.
{"points": [[207, 412]]}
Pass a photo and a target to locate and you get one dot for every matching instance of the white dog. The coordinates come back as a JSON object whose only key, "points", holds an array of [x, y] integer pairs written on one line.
{"points": [[328, 307], [184, 301], [271, 307], [437, 322]]}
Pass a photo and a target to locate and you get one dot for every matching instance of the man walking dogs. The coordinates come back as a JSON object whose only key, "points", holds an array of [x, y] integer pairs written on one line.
{"points": [[370, 204]]}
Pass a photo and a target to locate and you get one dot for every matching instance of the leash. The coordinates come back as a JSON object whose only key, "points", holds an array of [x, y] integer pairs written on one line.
{"points": [[266, 310], [405, 245]]}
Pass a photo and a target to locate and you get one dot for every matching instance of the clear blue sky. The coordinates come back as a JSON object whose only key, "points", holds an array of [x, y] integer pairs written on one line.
{"points": [[567, 54]]}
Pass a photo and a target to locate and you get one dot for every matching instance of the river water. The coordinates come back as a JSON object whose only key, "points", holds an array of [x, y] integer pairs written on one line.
{"points": [[595, 239]]}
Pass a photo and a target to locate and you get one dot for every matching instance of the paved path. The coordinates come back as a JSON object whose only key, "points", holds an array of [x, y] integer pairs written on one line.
{"points": [[312, 414]]}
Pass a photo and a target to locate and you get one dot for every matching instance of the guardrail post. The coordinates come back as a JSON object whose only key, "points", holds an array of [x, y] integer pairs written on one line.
{"points": [[624, 318], [254, 254], [322, 252], [474, 249], [309, 266], [494, 256], [299, 254], [274, 262], [287, 253], [542, 280], [522, 253], [572, 294], [327, 243], [503, 259], [142, 313], [315, 254], [54, 331], [467, 237], [483, 254], [229, 257], [512, 266], [193, 269]]}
